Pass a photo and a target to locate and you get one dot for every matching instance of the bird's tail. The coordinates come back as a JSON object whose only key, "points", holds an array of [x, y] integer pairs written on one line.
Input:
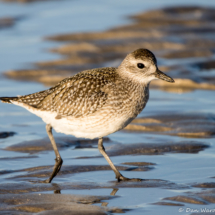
{"points": [[8, 99]]}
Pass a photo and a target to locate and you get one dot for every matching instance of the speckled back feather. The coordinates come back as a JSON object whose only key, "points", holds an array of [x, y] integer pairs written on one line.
{"points": [[76, 96]]}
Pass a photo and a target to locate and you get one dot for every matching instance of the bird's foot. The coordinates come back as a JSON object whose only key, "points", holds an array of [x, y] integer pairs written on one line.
{"points": [[46, 181], [122, 178], [57, 167]]}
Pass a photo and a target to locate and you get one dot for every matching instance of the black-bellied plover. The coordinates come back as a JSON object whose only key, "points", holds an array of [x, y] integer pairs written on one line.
{"points": [[95, 103]]}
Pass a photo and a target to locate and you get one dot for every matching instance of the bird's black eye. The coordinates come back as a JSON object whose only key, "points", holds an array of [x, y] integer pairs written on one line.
{"points": [[140, 65]]}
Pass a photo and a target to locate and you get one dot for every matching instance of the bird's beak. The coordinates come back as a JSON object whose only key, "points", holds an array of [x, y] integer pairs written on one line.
{"points": [[162, 76]]}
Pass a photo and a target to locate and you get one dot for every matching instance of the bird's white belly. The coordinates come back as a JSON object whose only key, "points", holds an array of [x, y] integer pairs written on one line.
{"points": [[99, 124], [86, 127]]}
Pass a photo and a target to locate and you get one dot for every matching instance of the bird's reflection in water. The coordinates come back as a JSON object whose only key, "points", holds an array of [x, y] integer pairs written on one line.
{"points": [[114, 191], [58, 191]]}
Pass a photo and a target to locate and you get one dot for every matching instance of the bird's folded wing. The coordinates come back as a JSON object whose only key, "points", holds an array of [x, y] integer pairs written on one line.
{"points": [[77, 96]]}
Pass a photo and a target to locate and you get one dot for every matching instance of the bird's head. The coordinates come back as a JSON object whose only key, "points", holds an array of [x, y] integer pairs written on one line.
{"points": [[141, 66]]}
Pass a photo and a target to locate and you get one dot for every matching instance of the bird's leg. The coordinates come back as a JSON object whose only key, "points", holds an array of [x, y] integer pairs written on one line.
{"points": [[58, 160], [119, 176]]}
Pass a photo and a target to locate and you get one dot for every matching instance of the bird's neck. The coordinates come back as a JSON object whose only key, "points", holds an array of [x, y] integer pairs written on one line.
{"points": [[138, 96]]}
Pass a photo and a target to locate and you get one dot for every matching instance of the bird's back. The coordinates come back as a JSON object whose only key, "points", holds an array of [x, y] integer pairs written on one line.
{"points": [[75, 96]]}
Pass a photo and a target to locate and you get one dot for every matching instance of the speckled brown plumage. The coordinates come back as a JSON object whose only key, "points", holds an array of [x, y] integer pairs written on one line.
{"points": [[84, 94], [79, 95]]}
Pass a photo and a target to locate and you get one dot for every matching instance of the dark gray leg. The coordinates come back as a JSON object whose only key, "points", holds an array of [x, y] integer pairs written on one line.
{"points": [[58, 160], [119, 176]]}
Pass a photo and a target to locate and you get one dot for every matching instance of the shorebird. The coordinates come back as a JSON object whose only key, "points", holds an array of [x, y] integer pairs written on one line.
{"points": [[95, 103]]}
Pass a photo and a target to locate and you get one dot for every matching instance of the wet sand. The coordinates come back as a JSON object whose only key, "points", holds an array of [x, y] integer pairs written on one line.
{"points": [[6, 22], [187, 125], [170, 145]]}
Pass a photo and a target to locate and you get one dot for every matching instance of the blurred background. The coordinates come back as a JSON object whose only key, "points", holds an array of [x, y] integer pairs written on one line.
{"points": [[172, 141]]}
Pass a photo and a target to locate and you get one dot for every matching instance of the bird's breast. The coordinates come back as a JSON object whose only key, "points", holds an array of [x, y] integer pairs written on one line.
{"points": [[125, 103]]}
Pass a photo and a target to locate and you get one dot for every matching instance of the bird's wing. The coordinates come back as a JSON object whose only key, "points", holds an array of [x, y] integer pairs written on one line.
{"points": [[77, 96], [32, 99]]}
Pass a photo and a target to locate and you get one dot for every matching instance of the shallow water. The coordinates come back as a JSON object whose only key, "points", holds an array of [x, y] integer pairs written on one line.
{"points": [[24, 43]]}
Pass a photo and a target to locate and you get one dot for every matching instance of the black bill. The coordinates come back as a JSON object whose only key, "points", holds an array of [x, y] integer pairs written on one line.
{"points": [[162, 76]]}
